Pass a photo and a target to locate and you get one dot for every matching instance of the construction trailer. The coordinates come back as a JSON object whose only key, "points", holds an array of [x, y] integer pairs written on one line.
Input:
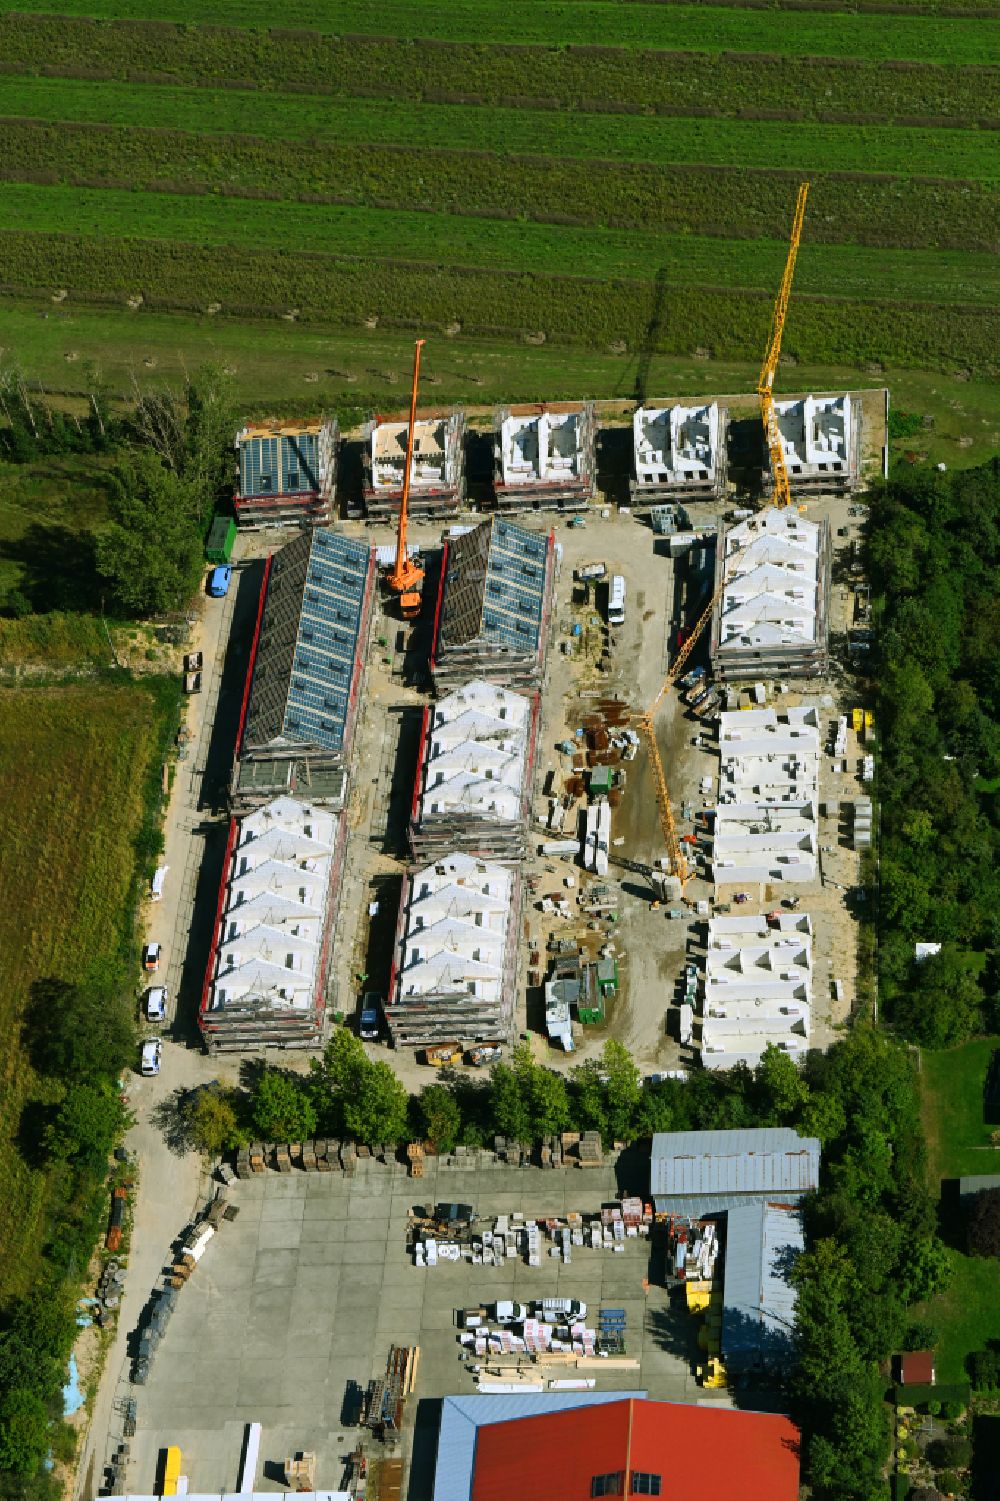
{"points": [[220, 540], [545, 457], [821, 444], [287, 473], [266, 978], [437, 468], [475, 769], [494, 607], [455, 954], [772, 585], [306, 672], [678, 453]]}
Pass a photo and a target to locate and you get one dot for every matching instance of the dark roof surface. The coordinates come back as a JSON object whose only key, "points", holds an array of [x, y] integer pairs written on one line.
{"points": [[494, 587], [307, 656]]}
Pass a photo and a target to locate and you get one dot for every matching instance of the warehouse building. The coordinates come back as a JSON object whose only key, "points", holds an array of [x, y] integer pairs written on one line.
{"points": [[494, 606], [703, 1172], [437, 468], [772, 578], [678, 453], [455, 957], [763, 1242], [287, 473], [758, 988], [306, 671], [265, 984], [570, 1446], [821, 443], [474, 774], [545, 457]]}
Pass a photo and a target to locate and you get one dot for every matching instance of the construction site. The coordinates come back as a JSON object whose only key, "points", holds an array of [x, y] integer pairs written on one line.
{"points": [[555, 780]]}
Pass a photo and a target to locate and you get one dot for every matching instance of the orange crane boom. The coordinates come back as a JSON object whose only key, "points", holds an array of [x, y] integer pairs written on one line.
{"points": [[765, 383], [405, 577], [780, 497]]}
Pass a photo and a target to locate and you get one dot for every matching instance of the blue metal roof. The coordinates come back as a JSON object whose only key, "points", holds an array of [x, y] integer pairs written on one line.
{"points": [[462, 1417], [763, 1242], [326, 646], [279, 463], [506, 565], [768, 1160]]}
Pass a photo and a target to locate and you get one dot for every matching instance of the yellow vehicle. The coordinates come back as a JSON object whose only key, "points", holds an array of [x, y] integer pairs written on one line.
{"points": [[171, 1471], [712, 1373], [857, 720]]}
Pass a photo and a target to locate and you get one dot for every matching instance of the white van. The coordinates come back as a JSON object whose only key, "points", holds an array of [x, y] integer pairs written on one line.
{"points": [[616, 600]]}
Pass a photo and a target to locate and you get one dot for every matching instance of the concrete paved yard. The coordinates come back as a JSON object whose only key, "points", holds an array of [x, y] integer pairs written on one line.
{"points": [[306, 1290]]}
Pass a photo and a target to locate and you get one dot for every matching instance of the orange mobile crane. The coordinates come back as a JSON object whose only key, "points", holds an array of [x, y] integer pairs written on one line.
{"points": [[780, 496], [404, 577]]}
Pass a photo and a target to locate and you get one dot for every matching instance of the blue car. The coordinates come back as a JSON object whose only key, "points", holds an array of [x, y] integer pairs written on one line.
{"points": [[218, 581]]}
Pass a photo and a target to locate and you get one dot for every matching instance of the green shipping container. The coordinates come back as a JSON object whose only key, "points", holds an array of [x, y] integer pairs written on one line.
{"points": [[219, 547]]}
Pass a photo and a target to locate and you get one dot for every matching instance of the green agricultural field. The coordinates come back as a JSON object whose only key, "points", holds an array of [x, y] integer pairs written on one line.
{"points": [[854, 271], [73, 764], [593, 23], [942, 152], [615, 177]]}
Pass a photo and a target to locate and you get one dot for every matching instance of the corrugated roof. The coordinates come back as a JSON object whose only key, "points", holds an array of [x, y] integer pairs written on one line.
{"points": [[462, 1417], [762, 1161], [763, 1242]]}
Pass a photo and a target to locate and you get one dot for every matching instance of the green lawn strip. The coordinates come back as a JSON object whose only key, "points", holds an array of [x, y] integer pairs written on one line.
{"points": [[966, 1317], [613, 79], [72, 767], [630, 315], [958, 1137], [598, 23], [294, 367], [909, 151], [714, 202], [841, 271]]}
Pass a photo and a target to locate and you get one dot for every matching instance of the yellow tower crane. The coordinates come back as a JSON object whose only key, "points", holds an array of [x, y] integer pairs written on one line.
{"points": [[646, 723]]}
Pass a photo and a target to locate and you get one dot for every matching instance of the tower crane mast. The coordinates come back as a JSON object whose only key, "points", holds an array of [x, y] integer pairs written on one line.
{"points": [[781, 496], [404, 577]]}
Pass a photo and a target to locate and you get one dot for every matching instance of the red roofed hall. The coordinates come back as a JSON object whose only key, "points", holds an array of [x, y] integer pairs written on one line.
{"points": [[582, 1446]]}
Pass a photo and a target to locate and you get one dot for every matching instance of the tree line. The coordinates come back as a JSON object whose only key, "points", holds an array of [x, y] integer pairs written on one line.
{"points": [[872, 1247], [933, 557], [169, 463]]}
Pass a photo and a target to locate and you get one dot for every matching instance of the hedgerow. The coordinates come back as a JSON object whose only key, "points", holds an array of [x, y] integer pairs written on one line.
{"points": [[862, 208], [570, 310], [674, 83]]}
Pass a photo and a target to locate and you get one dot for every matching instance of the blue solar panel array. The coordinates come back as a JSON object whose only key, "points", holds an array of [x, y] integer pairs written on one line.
{"points": [[327, 645], [285, 464], [514, 590]]}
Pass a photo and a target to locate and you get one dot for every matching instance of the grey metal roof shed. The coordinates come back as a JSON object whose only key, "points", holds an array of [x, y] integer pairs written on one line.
{"points": [[763, 1241], [701, 1172]]}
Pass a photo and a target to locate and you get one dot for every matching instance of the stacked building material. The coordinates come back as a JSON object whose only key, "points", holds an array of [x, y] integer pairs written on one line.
{"points": [[306, 671], [545, 457], [494, 606], [678, 452], [772, 575], [455, 954], [475, 769], [437, 469], [287, 473], [821, 443], [265, 983]]}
